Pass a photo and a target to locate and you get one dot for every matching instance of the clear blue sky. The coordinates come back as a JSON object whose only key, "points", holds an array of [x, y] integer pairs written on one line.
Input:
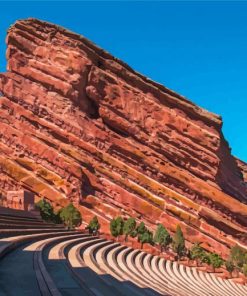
{"points": [[198, 49]]}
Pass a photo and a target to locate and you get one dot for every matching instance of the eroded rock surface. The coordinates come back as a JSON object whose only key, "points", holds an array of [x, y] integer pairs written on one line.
{"points": [[78, 124]]}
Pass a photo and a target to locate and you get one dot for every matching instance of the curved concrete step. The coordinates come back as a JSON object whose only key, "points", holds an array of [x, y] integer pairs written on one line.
{"points": [[197, 275], [57, 251], [168, 277], [186, 285], [28, 226], [4, 233], [130, 261], [75, 256], [10, 243], [110, 268], [33, 277], [155, 268], [21, 220], [145, 263], [212, 280], [121, 259], [223, 283], [191, 281], [239, 286], [129, 284]]}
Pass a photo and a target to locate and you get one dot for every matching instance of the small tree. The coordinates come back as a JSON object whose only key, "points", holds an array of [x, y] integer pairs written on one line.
{"points": [[162, 237], [229, 267], [70, 216], [178, 243], [129, 227], [215, 260], [46, 210], [237, 256], [146, 237], [93, 226], [116, 227]]}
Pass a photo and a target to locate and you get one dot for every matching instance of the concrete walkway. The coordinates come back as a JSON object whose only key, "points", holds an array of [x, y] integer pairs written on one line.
{"points": [[17, 276]]}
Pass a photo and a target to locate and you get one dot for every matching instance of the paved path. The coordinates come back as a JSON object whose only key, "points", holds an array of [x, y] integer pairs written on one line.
{"points": [[17, 276]]}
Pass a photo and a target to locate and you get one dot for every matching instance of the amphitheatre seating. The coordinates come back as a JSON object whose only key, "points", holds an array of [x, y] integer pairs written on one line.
{"points": [[61, 262], [163, 276]]}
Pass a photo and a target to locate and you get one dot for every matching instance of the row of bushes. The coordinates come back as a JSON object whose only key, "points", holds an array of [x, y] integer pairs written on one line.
{"points": [[237, 259], [68, 215], [71, 217]]}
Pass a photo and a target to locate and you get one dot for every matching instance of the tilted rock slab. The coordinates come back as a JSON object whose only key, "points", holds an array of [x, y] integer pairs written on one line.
{"points": [[78, 124]]}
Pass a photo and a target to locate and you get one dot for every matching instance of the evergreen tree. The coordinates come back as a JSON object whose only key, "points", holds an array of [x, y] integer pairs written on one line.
{"points": [[70, 216], [116, 227], [93, 226], [129, 227], [162, 237], [178, 243]]}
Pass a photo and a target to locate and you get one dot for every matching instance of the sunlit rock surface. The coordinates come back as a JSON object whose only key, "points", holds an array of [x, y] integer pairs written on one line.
{"points": [[78, 124]]}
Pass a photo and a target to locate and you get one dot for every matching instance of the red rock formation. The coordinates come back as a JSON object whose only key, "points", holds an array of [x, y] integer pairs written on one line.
{"points": [[78, 124], [243, 168]]}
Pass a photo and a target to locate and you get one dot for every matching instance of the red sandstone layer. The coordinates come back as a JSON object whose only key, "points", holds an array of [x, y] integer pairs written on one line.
{"points": [[78, 124]]}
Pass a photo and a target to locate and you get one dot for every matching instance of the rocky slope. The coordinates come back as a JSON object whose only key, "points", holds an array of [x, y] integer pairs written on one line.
{"points": [[78, 124]]}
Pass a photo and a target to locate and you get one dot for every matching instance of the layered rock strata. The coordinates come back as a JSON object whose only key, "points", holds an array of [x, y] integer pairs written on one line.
{"points": [[78, 124]]}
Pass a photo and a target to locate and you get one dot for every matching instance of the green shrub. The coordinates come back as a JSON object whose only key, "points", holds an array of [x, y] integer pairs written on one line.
{"points": [[70, 216]]}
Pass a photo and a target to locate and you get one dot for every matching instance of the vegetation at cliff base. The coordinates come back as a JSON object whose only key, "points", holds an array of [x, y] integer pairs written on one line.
{"points": [[47, 212], [116, 226], [70, 216], [93, 226], [237, 259], [162, 237], [129, 227]]}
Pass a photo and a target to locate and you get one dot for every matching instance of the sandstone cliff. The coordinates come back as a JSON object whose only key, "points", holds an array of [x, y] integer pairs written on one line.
{"points": [[78, 124]]}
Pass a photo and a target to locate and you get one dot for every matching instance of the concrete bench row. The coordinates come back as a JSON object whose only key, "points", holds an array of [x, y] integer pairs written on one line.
{"points": [[149, 273], [101, 267]]}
